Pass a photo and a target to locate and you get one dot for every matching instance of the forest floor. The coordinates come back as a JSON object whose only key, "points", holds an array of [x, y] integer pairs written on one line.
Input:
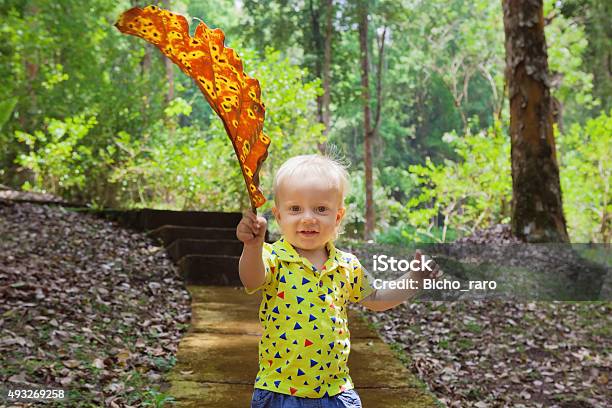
{"points": [[494, 352], [87, 306], [97, 309]]}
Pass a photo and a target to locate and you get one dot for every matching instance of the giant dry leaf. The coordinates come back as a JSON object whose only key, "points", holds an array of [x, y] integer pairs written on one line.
{"points": [[218, 72]]}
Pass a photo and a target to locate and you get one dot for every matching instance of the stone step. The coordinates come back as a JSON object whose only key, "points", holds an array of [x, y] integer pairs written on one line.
{"points": [[170, 233], [210, 270], [182, 247], [148, 219]]}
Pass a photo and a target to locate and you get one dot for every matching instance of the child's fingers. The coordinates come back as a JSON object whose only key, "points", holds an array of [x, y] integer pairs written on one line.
{"points": [[261, 222], [434, 272], [437, 272], [252, 215], [257, 221], [247, 222], [244, 229], [417, 254], [244, 236], [251, 225], [249, 215], [248, 229]]}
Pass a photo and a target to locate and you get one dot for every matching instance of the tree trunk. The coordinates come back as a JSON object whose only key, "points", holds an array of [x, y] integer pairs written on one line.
{"points": [[31, 63], [379, 69], [367, 126], [145, 66], [169, 64], [317, 44], [322, 48], [170, 78], [537, 209], [327, 58]]}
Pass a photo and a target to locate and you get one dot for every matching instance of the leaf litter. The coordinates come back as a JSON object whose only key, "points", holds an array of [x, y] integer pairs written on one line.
{"points": [[98, 309], [86, 305], [498, 353]]}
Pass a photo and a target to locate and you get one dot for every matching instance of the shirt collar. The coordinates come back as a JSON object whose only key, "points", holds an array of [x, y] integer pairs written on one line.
{"points": [[286, 252]]}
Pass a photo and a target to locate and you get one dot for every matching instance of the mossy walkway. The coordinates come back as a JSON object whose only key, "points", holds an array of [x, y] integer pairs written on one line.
{"points": [[217, 358]]}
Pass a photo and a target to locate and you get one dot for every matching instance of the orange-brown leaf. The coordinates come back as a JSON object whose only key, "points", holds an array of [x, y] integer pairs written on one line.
{"points": [[218, 72]]}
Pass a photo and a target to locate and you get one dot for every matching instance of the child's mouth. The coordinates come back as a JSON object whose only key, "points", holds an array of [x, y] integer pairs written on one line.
{"points": [[308, 233]]}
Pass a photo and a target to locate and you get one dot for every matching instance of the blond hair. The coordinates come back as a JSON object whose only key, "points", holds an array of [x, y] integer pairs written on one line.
{"points": [[325, 167]]}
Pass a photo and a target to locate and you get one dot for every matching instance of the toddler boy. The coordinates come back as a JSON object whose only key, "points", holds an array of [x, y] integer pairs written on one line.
{"points": [[306, 285]]}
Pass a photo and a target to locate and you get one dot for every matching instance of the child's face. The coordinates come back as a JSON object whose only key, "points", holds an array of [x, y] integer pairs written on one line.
{"points": [[308, 212]]}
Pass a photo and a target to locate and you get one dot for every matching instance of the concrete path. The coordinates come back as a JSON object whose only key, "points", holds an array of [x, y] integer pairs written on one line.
{"points": [[217, 358]]}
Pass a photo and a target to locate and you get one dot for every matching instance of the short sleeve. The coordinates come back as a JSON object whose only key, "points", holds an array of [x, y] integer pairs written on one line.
{"points": [[361, 285], [269, 262]]}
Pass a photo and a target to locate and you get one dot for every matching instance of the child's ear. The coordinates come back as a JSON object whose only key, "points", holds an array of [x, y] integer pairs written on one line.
{"points": [[276, 213], [340, 215]]}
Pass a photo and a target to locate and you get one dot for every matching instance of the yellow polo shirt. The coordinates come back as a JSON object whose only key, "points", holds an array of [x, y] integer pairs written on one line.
{"points": [[305, 343]]}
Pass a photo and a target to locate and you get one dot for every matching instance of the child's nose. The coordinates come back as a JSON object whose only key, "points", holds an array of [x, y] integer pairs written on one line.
{"points": [[308, 216]]}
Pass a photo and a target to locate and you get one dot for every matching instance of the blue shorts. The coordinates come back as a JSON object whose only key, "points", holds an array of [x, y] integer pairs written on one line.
{"points": [[271, 399]]}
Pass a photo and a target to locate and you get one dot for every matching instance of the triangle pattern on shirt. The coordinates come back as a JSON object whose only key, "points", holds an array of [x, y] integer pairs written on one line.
{"points": [[309, 296]]}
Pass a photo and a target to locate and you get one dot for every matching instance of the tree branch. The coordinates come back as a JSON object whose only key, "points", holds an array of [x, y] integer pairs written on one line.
{"points": [[381, 53]]}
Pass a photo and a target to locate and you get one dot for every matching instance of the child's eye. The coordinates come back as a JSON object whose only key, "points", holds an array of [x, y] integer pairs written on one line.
{"points": [[321, 209], [294, 208]]}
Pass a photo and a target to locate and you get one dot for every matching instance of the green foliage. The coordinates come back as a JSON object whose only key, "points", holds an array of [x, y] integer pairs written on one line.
{"points": [[354, 220], [84, 110], [402, 233], [593, 18], [196, 168], [586, 154], [458, 197], [462, 196], [156, 399], [6, 109], [58, 157], [64, 59], [567, 44]]}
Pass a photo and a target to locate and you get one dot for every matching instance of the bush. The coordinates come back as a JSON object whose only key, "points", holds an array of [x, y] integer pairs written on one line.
{"points": [[163, 165], [354, 221], [57, 156], [585, 153], [461, 196]]}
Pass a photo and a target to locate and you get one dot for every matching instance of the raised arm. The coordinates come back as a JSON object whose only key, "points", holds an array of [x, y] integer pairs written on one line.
{"points": [[252, 231], [384, 299]]}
